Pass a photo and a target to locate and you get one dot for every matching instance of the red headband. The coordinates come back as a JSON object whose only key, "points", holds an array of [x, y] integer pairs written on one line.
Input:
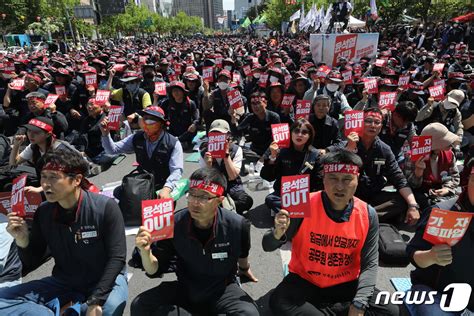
{"points": [[41, 125], [35, 78], [375, 114], [210, 187], [52, 166], [341, 168], [472, 170]]}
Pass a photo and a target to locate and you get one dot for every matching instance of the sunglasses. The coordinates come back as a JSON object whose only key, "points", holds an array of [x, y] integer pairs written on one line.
{"points": [[301, 131]]}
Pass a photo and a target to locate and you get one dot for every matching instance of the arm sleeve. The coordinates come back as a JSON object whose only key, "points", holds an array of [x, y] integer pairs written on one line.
{"points": [[269, 171], [393, 172], [176, 166], [27, 153], [163, 251], [417, 242], [33, 255], [458, 125], [424, 113], [344, 104], [269, 243], [245, 246], [115, 248], [60, 121], [125, 146], [146, 100], [369, 261], [454, 177]]}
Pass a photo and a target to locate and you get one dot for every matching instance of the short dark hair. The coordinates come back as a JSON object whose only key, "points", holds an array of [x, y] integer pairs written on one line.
{"points": [[210, 175], [69, 159], [342, 156], [302, 122], [407, 110], [322, 97]]}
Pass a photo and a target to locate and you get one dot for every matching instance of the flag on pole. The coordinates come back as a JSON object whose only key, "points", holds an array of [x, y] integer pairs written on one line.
{"points": [[373, 9], [246, 22], [295, 16]]}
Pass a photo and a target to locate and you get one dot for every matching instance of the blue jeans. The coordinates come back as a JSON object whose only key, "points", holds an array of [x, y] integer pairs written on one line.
{"points": [[432, 309], [29, 298], [104, 159]]}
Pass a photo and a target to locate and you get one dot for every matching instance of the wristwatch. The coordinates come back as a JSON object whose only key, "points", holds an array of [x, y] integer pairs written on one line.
{"points": [[359, 305], [94, 301]]}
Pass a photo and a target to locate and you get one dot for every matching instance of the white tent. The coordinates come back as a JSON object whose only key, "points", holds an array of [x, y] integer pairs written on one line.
{"points": [[353, 22]]}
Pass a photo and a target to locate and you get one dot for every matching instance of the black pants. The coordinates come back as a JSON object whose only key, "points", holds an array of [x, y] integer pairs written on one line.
{"points": [[243, 201], [390, 206], [168, 299], [296, 296]]}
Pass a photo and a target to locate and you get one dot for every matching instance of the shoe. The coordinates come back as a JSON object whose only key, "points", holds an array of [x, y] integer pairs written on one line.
{"points": [[94, 169]]}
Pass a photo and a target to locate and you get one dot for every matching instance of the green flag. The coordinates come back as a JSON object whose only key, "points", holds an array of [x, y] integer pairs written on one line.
{"points": [[256, 20], [263, 19], [246, 22]]}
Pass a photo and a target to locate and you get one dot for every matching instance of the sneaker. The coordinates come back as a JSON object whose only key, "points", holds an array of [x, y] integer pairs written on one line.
{"points": [[94, 169]]}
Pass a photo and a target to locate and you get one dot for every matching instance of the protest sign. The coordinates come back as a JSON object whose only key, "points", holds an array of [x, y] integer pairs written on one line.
{"points": [[347, 77], [403, 82], [60, 90], [18, 196], [387, 100], [420, 147], [295, 195], [91, 80], [115, 112], [371, 85], [50, 99], [158, 217], [247, 70], [207, 74], [381, 62], [353, 122], [287, 100], [438, 67], [446, 227], [102, 96], [216, 144], [160, 88], [32, 201], [281, 134], [437, 92], [262, 82], [303, 107], [235, 99], [18, 84]]}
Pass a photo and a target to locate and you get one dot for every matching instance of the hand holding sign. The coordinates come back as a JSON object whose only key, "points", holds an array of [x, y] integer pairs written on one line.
{"points": [[353, 122], [295, 195], [420, 147], [281, 134], [115, 112], [158, 219], [18, 196], [160, 88], [216, 145], [102, 96], [282, 222]]}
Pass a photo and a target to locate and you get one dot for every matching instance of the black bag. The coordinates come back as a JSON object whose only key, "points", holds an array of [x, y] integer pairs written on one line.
{"points": [[392, 246], [137, 186]]}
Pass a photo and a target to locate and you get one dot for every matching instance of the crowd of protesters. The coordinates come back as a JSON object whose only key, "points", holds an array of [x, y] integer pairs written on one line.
{"points": [[59, 143]]}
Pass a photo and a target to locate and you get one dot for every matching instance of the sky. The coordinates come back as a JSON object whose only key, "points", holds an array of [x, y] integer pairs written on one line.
{"points": [[228, 4]]}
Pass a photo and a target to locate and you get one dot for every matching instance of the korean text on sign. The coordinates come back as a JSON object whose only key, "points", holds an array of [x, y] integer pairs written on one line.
{"points": [[420, 147], [295, 195], [281, 134], [437, 92], [102, 96], [303, 108], [160, 88], [114, 117], [446, 227], [216, 145], [353, 122], [158, 217], [18, 196], [387, 100]]}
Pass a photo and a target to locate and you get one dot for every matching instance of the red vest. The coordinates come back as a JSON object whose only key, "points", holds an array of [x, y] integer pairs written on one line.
{"points": [[445, 160], [327, 253]]}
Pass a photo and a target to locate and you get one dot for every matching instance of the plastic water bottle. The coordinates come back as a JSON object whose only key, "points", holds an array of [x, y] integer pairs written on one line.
{"points": [[252, 169], [258, 166], [122, 133]]}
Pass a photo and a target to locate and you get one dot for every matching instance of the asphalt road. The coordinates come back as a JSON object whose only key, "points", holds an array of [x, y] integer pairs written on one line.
{"points": [[267, 267]]}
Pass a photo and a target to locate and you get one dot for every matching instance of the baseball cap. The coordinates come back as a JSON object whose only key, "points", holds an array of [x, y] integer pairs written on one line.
{"points": [[40, 124], [456, 97], [220, 126]]}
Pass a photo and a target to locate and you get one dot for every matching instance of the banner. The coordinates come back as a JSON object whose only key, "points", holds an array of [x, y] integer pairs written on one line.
{"points": [[328, 48], [18, 84], [353, 122], [216, 144], [91, 80], [420, 147], [287, 100], [115, 112], [387, 100], [446, 227], [50, 99], [303, 107], [295, 195], [437, 92], [102, 96], [160, 88], [281, 134], [18, 196], [158, 217], [207, 74]]}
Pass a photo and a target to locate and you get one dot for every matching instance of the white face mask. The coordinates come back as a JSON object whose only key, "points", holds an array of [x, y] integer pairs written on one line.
{"points": [[448, 105], [229, 68], [273, 79], [223, 85], [332, 87]]}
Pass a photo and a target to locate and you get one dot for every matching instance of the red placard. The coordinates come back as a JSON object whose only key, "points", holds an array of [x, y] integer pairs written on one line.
{"points": [[119, 67], [9, 68], [91, 80], [235, 99], [295, 195], [102, 96], [51, 99], [160, 88], [387, 100], [353, 122], [287, 100], [18, 84], [323, 71], [247, 70], [446, 227], [18, 196], [437, 92], [60, 90], [438, 67], [142, 59], [262, 82], [207, 74], [303, 107], [32, 201], [381, 62], [371, 85], [357, 71], [404, 81], [219, 60], [420, 147], [115, 112], [344, 46], [439, 82], [236, 77], [216, 145], [347, 76], [177, 69], [281, 134], [158, 217]]}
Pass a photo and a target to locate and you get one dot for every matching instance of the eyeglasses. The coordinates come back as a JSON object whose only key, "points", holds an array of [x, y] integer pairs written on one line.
{"points": [[201, 199], [370, 121], [301, 131]]}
